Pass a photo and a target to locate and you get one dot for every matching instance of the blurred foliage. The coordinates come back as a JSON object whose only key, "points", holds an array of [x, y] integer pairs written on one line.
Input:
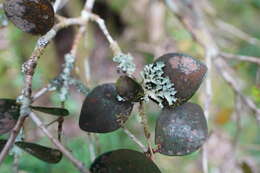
{"points": [[16, 47]]}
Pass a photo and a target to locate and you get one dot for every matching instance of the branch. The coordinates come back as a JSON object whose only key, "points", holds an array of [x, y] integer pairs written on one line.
{"points": [[28, 69], [101, 23], [11, 140], [66, 152], [229, 76], [251, 59], [135, 139], [91, 146], [231, 29]]}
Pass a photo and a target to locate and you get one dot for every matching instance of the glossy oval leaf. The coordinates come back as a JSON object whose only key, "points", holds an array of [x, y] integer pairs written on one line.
{"points": [[102, 112], [41, 152], [123, 161], [51, 110], [9, 114], [32, 16], [129, 89], [182, 130], [185, 72]]}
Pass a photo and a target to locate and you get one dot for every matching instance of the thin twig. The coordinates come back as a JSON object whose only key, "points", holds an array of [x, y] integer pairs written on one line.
{"points": [[101, 23], [231, 29], [238, 112], [29, 68], [251, 59], [145, 125], [42, 91], [135, 139], [15, 166], [12, 138], [66, 152], [91, 146], [227, 73]]}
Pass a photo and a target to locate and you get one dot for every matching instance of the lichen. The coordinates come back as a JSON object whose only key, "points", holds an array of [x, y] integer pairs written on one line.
{"points": [[119, 98], [125, 63], [157, 86]]}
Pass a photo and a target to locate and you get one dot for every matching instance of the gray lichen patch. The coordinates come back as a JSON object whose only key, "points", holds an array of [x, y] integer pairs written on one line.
{"points": [[157, 87], [125, 63]]}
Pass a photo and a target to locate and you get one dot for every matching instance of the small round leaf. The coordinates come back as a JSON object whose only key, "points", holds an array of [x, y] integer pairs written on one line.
{"points": [[182, 130], [101, 111], [185, 72]]}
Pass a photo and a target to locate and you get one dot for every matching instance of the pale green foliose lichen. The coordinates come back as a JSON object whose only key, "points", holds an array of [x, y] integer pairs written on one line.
{"points": [[158, 87], [125, 63]]}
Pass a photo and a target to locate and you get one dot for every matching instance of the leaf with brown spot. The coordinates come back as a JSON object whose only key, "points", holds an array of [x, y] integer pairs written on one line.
{"points": [[185, 72], [32, 16]]}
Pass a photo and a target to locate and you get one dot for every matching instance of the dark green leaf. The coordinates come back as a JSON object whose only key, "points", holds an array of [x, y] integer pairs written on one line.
{"points": [[123, 161], [41, 152], [101, 111], [182, 130], [9, 113], [51, 110]]}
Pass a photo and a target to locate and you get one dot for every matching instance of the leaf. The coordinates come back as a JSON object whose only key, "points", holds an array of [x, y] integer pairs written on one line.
{"points": [[185, 73], [182, 130], [9, 113], [41, 152], [101, 111], [52, 110], [123, 161], [129, 89], [34, 16]]}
